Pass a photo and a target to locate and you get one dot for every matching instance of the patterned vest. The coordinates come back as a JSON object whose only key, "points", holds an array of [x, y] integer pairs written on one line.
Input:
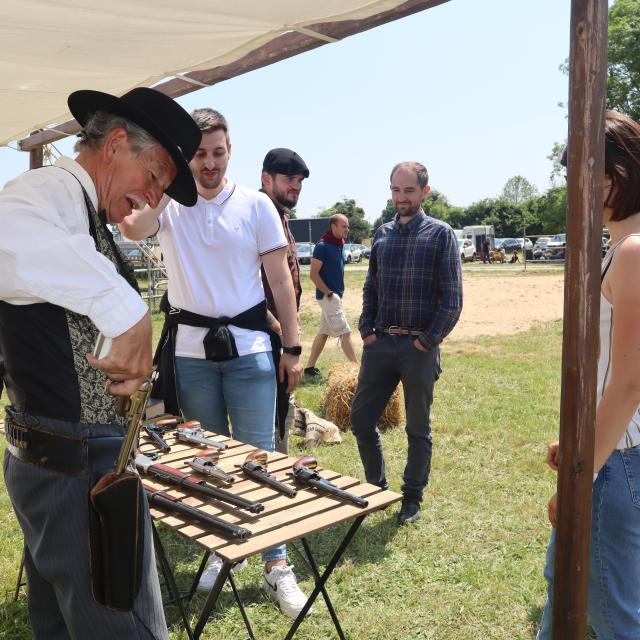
{"points": [[43, 350]]}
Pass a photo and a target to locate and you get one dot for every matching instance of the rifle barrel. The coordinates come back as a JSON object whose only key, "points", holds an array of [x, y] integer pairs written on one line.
{"points": [[175, 477], [164, 503]]}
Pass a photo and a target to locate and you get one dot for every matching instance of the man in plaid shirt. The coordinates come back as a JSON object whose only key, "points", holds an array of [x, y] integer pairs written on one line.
{"points": [[412, 299]]}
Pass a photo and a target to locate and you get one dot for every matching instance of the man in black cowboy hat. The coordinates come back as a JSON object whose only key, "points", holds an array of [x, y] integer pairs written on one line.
{"points": [[63, 282], [283, 171]]}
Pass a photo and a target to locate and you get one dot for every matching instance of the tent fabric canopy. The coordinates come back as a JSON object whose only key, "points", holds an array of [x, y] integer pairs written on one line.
{"points": [[49, 49]]}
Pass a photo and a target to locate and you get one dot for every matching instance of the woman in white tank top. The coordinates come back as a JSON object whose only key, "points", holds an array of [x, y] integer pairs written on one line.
{"points": [[614, 568]]}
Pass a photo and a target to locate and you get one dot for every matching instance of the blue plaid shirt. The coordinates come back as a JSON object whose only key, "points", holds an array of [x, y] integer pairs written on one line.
{"points": [[414, 280]]}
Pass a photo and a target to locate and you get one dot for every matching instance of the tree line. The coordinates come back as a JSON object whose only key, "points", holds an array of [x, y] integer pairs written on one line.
{"points": [[520, 208]]}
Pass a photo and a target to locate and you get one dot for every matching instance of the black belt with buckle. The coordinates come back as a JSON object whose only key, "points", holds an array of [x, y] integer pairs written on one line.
{"points": [[45, 449], [402, 331]]}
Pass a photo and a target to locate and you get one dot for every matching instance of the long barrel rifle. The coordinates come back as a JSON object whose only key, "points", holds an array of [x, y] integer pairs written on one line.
{"points": [[165, 502], [188, 481], [305, 474], [255, 467]]}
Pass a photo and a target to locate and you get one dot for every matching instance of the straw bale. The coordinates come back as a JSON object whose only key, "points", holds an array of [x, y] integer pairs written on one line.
{"points": [[338, 397]]}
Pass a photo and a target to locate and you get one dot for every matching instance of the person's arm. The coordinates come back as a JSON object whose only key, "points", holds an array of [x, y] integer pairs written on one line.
{"points": [[314, 275], [277, 270], [143, 223], [59, 264], [366, 324], [621, 397], [449, 274]]}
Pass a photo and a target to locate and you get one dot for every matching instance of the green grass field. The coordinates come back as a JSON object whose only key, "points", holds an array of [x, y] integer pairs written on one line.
{"points": [[471, 568]]}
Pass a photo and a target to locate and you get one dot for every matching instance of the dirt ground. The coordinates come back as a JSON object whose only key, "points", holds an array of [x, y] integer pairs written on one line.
{"points": [[504, 305], [498, 304]]}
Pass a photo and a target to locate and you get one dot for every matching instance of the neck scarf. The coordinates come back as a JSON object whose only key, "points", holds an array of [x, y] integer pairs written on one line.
{"points": [[331, 239]]}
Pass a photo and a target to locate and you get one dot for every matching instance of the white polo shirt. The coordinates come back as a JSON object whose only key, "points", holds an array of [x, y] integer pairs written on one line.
{"points": [[212, 252]]}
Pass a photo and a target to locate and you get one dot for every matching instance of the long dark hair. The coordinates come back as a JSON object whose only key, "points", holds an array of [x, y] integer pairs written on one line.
{"points": [[622, 164]]}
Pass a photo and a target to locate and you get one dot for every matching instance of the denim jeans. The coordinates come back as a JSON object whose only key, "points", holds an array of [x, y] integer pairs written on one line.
{"points": [[614, 563], [242, 390], [385, 362]]}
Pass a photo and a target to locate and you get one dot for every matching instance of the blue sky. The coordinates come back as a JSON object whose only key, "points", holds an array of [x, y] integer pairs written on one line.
{"points": [[470, 88]]}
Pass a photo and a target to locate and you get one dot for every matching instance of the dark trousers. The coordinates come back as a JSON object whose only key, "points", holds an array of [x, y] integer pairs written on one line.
{"points": [[51, 508], [385, 362]]}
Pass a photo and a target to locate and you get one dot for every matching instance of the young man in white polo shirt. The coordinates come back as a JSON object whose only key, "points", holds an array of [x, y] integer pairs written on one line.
{"points": [[213, 252]]}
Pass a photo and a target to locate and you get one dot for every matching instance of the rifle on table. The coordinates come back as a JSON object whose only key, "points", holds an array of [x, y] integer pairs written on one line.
{"points": [[303, 472], [206, 465], [165, 502], [189, 481], [193, 433], [255, 467]]}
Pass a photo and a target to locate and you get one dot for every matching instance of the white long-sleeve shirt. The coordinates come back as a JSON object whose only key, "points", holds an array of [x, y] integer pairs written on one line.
{"points": [[48, 255]]}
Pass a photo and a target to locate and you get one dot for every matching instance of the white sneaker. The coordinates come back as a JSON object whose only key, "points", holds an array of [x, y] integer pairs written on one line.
{"points": [[280, 585], [212, 569]]}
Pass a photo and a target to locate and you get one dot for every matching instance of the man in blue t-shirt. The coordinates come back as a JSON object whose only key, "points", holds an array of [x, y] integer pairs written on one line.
{"points": [[327, 273]]}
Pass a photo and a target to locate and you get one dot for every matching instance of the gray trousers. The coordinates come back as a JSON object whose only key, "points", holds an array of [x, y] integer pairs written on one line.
{"points": [[51, 508], [388, 360]]}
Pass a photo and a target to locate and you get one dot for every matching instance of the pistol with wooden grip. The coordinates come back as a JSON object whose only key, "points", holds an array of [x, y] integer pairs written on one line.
{"points": [[190, 482], [303, 472], [207, 465], [193, 433], [255, 467]]}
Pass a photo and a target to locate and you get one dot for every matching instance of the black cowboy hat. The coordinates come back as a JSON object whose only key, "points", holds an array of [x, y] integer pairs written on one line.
{"points": [[160, 116]]}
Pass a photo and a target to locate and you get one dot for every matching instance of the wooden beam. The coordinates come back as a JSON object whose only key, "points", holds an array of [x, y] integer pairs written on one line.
{"points": [[587, 91], [284, 46]]}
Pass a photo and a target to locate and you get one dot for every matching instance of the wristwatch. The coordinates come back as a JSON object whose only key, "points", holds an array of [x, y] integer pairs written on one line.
{"points": [[292, 351]]}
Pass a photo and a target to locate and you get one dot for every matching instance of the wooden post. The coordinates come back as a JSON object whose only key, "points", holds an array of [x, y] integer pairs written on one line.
{"points": [[587, 80], [36, 156]]}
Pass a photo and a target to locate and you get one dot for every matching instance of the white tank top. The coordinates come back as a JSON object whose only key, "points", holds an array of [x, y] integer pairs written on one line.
{"points": [[631, 436]]}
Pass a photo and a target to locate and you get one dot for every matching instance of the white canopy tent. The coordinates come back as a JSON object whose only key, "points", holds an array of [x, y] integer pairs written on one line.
{"points": [[50, 48]]}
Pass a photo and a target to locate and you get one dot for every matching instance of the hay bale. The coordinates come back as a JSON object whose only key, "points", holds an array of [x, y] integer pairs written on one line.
{"points": [[338, 397]]}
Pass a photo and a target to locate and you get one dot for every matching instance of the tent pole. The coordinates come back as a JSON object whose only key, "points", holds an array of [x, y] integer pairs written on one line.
{"points": [[587, 91], [36, 155]]}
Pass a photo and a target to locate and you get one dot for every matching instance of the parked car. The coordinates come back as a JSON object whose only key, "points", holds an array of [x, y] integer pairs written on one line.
{"points": [[525, 244], [366, 251], [134, 257], [555, 247], [541, 242], [352, 253], [467, 250], [509, 245], [305, 252]]}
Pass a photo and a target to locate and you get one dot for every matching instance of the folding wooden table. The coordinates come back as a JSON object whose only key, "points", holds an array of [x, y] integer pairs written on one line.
{"points": [[284, 519]]}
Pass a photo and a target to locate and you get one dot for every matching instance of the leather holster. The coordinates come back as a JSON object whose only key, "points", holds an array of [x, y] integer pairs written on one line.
{"points": [[116, 539]]}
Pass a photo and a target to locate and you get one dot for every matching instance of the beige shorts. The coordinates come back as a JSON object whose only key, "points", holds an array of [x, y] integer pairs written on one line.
{"points": [[332, 319]]}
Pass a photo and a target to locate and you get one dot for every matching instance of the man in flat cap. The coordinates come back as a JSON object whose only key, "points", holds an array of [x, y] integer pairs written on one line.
{"points": [[283, 171], [64, 281], [216, 336]]}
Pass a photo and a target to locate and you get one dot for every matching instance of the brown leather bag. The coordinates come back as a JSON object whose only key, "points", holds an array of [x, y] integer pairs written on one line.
{"points": [[116, 539]]}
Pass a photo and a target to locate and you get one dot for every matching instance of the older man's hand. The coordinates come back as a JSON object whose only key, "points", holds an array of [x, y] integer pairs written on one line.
{"points": [[129, 360]]}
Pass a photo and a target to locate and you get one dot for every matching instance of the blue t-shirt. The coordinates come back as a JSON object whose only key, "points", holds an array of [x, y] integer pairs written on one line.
{"points": [[332, 269]]}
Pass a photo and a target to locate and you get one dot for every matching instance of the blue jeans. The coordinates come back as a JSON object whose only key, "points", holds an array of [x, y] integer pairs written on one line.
{"points": [[242, 390], [614, 563]]}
